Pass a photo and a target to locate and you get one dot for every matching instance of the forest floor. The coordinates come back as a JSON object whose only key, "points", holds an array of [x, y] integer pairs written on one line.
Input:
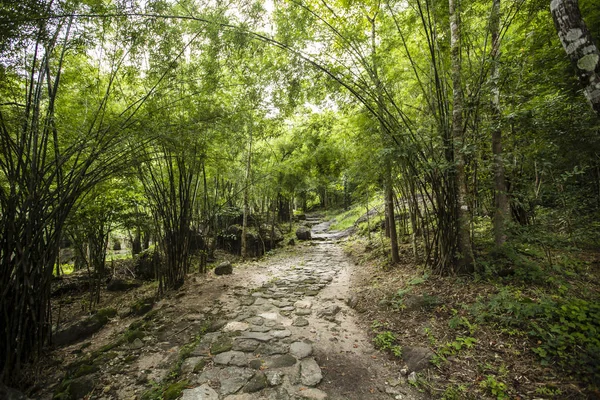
{"points": [[278, 328]]}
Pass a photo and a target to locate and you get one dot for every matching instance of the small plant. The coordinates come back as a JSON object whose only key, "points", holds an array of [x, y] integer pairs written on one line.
{"points": [[454, 392], [386, 341], [452, 348], [494, 387], [458, 321]]}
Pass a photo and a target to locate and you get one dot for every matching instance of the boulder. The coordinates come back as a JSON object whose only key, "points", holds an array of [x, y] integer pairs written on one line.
{"points": [[225, 268], [11, 394], [145, 263], [121, 285], [417, 358], [303, 233], [83, 329]]}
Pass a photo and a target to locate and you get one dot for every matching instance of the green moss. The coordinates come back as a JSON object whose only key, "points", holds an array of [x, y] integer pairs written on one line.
{"points": [[131, 335], [86, 370], [221, 345], [130, 359], [173, 391], [199, 366], [142, 306]]}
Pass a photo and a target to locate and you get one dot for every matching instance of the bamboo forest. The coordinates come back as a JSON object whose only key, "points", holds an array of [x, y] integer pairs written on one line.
{"points": [[299, 199]]}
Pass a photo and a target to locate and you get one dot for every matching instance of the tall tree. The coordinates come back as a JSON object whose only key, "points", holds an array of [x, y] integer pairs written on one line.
{"points": [[465, 256], [501, 210], [580, 47]]}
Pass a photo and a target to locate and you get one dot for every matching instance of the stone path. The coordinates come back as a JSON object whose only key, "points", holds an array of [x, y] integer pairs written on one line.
{"points": [[293, 337]]}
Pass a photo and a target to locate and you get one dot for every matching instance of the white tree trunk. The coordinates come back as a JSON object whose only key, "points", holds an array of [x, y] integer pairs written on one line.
{"points": [[580, 47]]}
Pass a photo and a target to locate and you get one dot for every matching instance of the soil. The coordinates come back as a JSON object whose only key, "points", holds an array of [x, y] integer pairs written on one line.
{"points": [[233, 337]]}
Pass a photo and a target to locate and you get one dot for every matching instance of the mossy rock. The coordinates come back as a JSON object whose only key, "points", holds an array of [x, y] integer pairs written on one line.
{"points": [[142, 306], [221, 345], [173, 391], [131, 335], [199, 366], [86, 370], [84, 328], [129, 359]]}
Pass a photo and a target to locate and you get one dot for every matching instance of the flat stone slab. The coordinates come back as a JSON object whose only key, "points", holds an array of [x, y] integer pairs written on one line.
{"points": [[237, 358], [310, 372], [260, 336], [203, 392], [234, 326], [300, 321], [280, 334], [284, 361], [303, 304], [312, 394], [189, 364], [273, 348], [233, 379], [247, 345], [274, 378], [301, 350]]}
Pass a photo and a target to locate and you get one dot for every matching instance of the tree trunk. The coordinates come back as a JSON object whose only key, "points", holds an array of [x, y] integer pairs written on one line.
{"points": [[246, 195], [390, 220], [501, 210], [464, 261], [580, 47]]}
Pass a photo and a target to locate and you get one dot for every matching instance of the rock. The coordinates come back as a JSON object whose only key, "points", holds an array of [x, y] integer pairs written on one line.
{"points": [[234, 326], [417, 358], [291, 242], [273, 348], [203, 392], [84, 328], [329, 311], [310, 372], [301, 350], [144, 264], [261, 337], [118, 285], [284, 361], [300, 321], [216, 325], [221, 345], [237, 358], [303, 311], [412, 377], [352, 301], [80, 387], [247, 300], [137, 344], [247, 345], [303, 304], [303, 233], [11, 394], [257, 382], [189, 364], [142, 306], [233, 379], [280, 334], [225, 268], [274, 378], [312, 394]]}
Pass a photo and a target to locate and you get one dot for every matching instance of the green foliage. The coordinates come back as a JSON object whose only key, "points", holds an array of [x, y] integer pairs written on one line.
{"points": [[567, 330], [386, 340], [455, 346], [455, 392], [495, 387]]}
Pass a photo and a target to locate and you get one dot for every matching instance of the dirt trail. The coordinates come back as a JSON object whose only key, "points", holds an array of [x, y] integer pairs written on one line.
{"points": [[283, 331], [293, 336]]}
